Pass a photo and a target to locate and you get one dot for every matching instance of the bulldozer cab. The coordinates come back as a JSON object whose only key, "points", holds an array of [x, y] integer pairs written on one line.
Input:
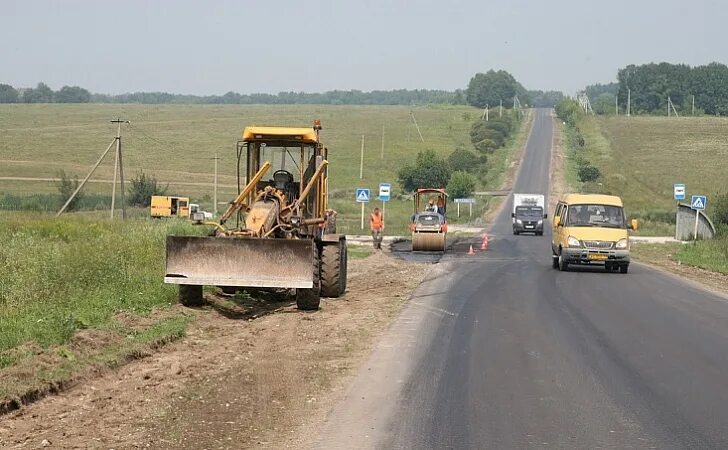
{"points": [[294, 156]]}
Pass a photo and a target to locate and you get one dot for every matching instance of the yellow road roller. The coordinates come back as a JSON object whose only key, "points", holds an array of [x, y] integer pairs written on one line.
{"points": [[429, 222]]}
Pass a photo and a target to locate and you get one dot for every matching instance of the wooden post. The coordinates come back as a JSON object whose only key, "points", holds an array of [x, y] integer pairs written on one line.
{"points": [[65, 205], [361, 161]]}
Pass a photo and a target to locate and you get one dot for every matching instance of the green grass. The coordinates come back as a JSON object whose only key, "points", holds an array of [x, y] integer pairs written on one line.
{"points": [[176, 142], [649, 154], [710, 255], [59, 276], [641, 157]]}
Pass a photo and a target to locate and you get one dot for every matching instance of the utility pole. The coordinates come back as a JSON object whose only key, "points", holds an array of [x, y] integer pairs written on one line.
{"points": [[214, 191], [382, 155], [500, 109], [361, 161], [668, 106], [616, 105], [693, 112], [120, 163], [117, 164], [629, 101]]}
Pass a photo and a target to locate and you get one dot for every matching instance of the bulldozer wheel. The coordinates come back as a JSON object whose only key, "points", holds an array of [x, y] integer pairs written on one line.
{"points": [[333, 270], [190, 295], [310, 299]]}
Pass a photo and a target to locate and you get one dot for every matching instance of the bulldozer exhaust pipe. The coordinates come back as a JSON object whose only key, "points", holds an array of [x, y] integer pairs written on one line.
{"points": [[240, 261]]}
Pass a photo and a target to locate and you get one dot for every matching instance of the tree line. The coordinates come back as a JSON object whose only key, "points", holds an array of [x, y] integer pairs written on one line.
{"points": [[44, 94], [648, 86], [74, 94], [492, 87]]}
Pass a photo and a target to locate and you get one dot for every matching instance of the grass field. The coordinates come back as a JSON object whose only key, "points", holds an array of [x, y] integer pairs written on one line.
{"points": [[649, 154], [641, 157], [79, 274], [176, 143]]}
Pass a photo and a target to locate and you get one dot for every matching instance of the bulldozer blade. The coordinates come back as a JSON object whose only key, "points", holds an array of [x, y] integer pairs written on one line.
{"points": [[244, 262], [428, 242]]}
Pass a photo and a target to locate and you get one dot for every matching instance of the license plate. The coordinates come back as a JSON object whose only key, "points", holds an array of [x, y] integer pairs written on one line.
{"points": [[529, 226], [597, 256]]}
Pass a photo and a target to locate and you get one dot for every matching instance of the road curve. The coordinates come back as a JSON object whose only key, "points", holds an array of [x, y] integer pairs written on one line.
{"points": [[499, 350]]}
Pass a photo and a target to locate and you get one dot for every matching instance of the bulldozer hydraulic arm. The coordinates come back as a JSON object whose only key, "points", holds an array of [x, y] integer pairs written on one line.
{"points": [[240, 199]]}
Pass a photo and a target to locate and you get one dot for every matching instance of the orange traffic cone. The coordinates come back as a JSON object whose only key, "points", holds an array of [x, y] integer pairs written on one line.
{"points": [[484, 245], [471, 252]]}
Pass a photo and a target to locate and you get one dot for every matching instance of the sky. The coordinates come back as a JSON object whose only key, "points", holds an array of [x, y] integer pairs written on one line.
{"points": [[269, 46]]}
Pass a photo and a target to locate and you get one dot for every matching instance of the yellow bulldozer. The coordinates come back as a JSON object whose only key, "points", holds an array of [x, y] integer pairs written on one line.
{"points": [[277, 233]]}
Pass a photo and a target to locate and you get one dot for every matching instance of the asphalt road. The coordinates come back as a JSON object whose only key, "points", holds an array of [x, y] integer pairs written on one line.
{"points": [[499, 350]]}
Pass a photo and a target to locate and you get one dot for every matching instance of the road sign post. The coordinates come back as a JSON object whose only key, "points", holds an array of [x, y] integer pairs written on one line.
{"points": [[469, 201], [698, 203], [679, 194], [362, 196], [385, 192]]}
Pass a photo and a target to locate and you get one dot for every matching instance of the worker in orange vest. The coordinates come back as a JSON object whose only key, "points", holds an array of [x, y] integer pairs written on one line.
{"points": [[376, 223]]}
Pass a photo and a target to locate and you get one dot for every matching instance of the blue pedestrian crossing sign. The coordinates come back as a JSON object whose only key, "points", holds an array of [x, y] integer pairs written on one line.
{"points": [[362, 195], [698, 202]]}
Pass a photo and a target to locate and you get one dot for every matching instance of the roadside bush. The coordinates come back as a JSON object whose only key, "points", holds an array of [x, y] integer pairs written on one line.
{"points": [[464, 160], [588, 173], [568, 110], [720, 209], [461, 185], [66, 186], [429, 170], [142, 189]]}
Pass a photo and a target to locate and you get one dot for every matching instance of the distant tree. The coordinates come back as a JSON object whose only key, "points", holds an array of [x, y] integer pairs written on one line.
{"points": [[40, 94], [544, 99], [569, 111], [464, 160], [66, 186], [492, 87], [603, 104], [709, 84], [595, 90], [459, 98], [72, 94], [142, 189], [461, 185], [429, 170], [8, 94]]}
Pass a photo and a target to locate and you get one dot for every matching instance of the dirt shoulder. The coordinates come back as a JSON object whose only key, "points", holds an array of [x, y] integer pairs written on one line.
{"points": [[234, 381]]}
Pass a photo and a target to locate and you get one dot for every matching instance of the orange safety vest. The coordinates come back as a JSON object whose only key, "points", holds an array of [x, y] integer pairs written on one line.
{"points": [[377, 222]]}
